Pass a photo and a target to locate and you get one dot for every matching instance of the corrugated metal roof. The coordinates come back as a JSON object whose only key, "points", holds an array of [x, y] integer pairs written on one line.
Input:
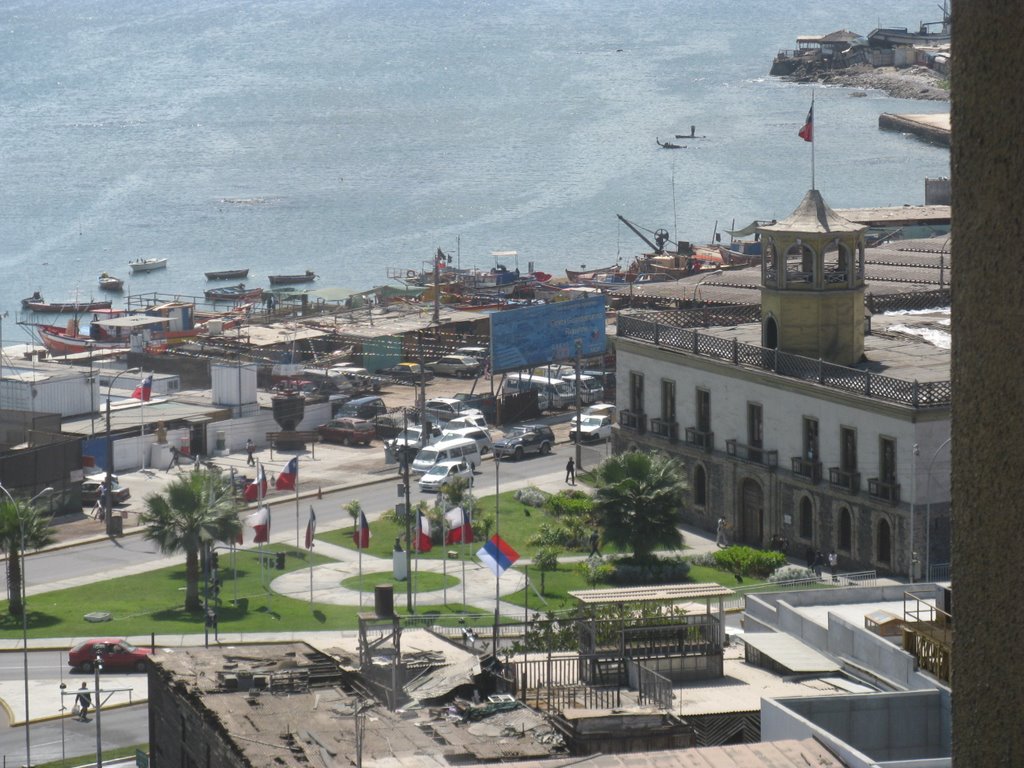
{"points": [[790, 653], [662, 593]]}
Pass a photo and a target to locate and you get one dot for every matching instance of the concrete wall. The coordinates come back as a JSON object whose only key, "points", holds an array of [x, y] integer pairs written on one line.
{"points": [[237, 431]]}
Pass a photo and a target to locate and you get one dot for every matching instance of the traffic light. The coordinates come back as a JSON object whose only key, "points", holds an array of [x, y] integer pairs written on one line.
{"points": [[279, 560], [214, 560]]}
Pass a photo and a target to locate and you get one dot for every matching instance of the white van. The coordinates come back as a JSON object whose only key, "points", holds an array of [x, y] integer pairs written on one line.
{"points": [[458, 449], [522, 382], [591, 390], [552, 394], [481, 436]]}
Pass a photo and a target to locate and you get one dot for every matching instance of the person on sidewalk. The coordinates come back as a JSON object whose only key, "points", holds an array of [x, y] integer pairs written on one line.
{"points": [[595, 543], [250, 449], [570, 472], [83, 701], [720, 539], [175, 458], [833, 563]]}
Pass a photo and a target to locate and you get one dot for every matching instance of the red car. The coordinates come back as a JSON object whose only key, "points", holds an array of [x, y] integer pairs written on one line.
{"points": [[347, 431], [117, 654]]}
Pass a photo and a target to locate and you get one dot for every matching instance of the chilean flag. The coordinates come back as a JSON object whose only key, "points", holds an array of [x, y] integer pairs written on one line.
{"points": [[289, 476], [459, 527], [260, 522], [145, 389], [361, 537], [497, 555], [257, 489], [310, 529], [807, 132], [423, 543]]}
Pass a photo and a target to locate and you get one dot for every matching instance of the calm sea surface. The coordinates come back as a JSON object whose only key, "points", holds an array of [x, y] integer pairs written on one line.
{"points": [[351, 137]]}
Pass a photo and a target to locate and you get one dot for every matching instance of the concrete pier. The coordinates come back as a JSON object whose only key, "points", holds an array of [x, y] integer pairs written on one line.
{"points": [[932, 127]]}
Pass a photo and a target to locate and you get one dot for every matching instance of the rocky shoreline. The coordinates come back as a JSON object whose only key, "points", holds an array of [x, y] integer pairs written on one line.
{"points": [[905, 83]]}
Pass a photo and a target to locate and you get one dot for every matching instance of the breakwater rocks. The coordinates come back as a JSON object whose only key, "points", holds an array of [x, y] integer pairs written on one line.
{"points": [[900, 83]]}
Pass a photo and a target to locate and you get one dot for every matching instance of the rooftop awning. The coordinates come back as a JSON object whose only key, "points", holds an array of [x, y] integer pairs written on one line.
{"points": [[663, 593]]}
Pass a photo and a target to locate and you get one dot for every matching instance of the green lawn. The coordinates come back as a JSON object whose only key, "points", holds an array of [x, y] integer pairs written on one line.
{"points": [[423, 581], [90, 758]]}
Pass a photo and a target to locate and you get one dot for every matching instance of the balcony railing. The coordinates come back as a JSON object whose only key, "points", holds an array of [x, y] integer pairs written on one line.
{"points": [[886, 491], [752, 453], [668, 430], [633, 420], [807, 469], [703, 440], [843, 480]]}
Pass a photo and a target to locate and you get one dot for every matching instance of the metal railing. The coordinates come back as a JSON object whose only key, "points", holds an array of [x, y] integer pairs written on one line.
{"points": [[703, 440], [807, 469], [844, 480], [665, 429], [633, 420], [882, 490], [752, 453]]}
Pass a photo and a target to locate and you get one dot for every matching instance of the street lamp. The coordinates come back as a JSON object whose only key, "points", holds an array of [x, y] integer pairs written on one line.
{"points": [[97, 668], [24, 610], [108, 496]]}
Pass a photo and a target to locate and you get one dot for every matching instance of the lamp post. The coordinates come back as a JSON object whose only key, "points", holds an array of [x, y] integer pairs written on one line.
{"points": [[928, 513], [108, 497], [97, 668], [24, 611]]}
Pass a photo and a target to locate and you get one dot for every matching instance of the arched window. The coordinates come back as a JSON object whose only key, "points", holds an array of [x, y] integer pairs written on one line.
{"points": [[838, 261], [884, 543], [845, 530], [771, 333], [700, 486], [799, 264], [806, 519]]}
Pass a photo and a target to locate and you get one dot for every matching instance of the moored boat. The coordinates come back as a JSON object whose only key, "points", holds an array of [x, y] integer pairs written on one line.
{"points": [[111, 283], [307, 277], [228, 274], [156, 327], [147, 265], [36, 303], [576, 276], [233, 293]]}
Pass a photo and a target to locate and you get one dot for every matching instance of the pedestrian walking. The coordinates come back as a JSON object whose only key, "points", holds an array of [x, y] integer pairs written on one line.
{"points": [[175, 458], [833, 563], [570, 472], [100, 510], [250, 449], [595, 543], [720, 538], [83, 701], [819, 564]]}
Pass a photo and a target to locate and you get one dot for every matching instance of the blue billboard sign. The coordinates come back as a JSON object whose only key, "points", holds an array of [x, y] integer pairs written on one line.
{"points": [[547, 333]]}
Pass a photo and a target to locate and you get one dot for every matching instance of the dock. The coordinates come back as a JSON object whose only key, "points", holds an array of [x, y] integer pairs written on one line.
{"points": [[931, 127]]}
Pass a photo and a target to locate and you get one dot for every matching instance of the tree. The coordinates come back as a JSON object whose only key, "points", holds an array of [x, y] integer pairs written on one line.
{"points": [[38, 533], [544, 560], [637, 501], [194, 510]]}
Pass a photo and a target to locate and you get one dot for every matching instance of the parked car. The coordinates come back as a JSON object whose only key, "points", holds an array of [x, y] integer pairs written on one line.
{"points": [[481, 436], [115, 653], [528, 438], [438, 477], [364, 407], [413, 437], [441, 410], [91, 492], [592, 427], [470, 418], [347, 431], [457, 365], [407, 373]]}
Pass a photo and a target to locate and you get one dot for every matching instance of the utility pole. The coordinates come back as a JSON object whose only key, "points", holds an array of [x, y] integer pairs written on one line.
{"points": [[579, 417]]}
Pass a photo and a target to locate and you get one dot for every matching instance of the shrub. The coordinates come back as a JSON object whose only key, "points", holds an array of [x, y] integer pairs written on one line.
{"points": [[570, 504], [790, 573], [665, 570], [747, 561], [596, 570], [531, 496]]}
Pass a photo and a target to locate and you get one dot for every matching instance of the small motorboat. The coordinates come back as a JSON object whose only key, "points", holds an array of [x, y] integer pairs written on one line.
{"points": [[228, 274], [669, 144], [111, 283], [147, 265], [36, 303], [307, 277], [233, 293]]}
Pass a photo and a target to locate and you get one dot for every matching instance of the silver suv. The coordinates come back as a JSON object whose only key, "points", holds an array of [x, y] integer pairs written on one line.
{"points": [[528, 438]]}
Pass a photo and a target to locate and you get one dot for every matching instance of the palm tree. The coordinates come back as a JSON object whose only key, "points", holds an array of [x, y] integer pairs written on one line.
{"points": [[38, 533], [638, 499], [194, 510]]}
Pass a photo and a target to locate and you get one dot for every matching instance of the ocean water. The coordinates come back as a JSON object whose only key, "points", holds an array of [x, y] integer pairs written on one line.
{"points": [[354, 137]]}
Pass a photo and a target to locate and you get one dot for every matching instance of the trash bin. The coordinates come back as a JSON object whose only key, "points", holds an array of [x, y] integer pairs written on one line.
{"points": [[116, 524]]}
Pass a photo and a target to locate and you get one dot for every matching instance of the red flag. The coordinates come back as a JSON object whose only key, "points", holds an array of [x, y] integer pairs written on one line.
{"points": [[361, 537], [310, 529], [260, 522], [807, 132], [459, 526], [257, 489], [423, 542], [289, 476], [145, 389]]}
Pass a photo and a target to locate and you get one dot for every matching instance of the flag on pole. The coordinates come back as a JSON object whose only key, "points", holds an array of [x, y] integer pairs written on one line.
{"points": [[260, 523], [497, 555], [459, 526], [310, 528], [361, 537], [289, 476], [807, 132], [144, 391], [423, 543], [257, 489]]}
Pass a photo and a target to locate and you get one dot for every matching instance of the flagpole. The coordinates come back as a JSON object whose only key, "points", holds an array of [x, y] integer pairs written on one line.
{"points": [[465, 521], [814, 131], [142, 429], [444, 566], [360, 545], [312, 533], [259, 506], [497, 571], [296, 512]]}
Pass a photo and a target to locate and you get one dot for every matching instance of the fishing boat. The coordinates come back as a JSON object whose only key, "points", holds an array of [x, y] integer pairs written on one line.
{"points": [[156, 328], [669, 144], [583, 274], [228, 274], [307, 277], [147, 265], [111, 283], [233, 293], [36, 303]]}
